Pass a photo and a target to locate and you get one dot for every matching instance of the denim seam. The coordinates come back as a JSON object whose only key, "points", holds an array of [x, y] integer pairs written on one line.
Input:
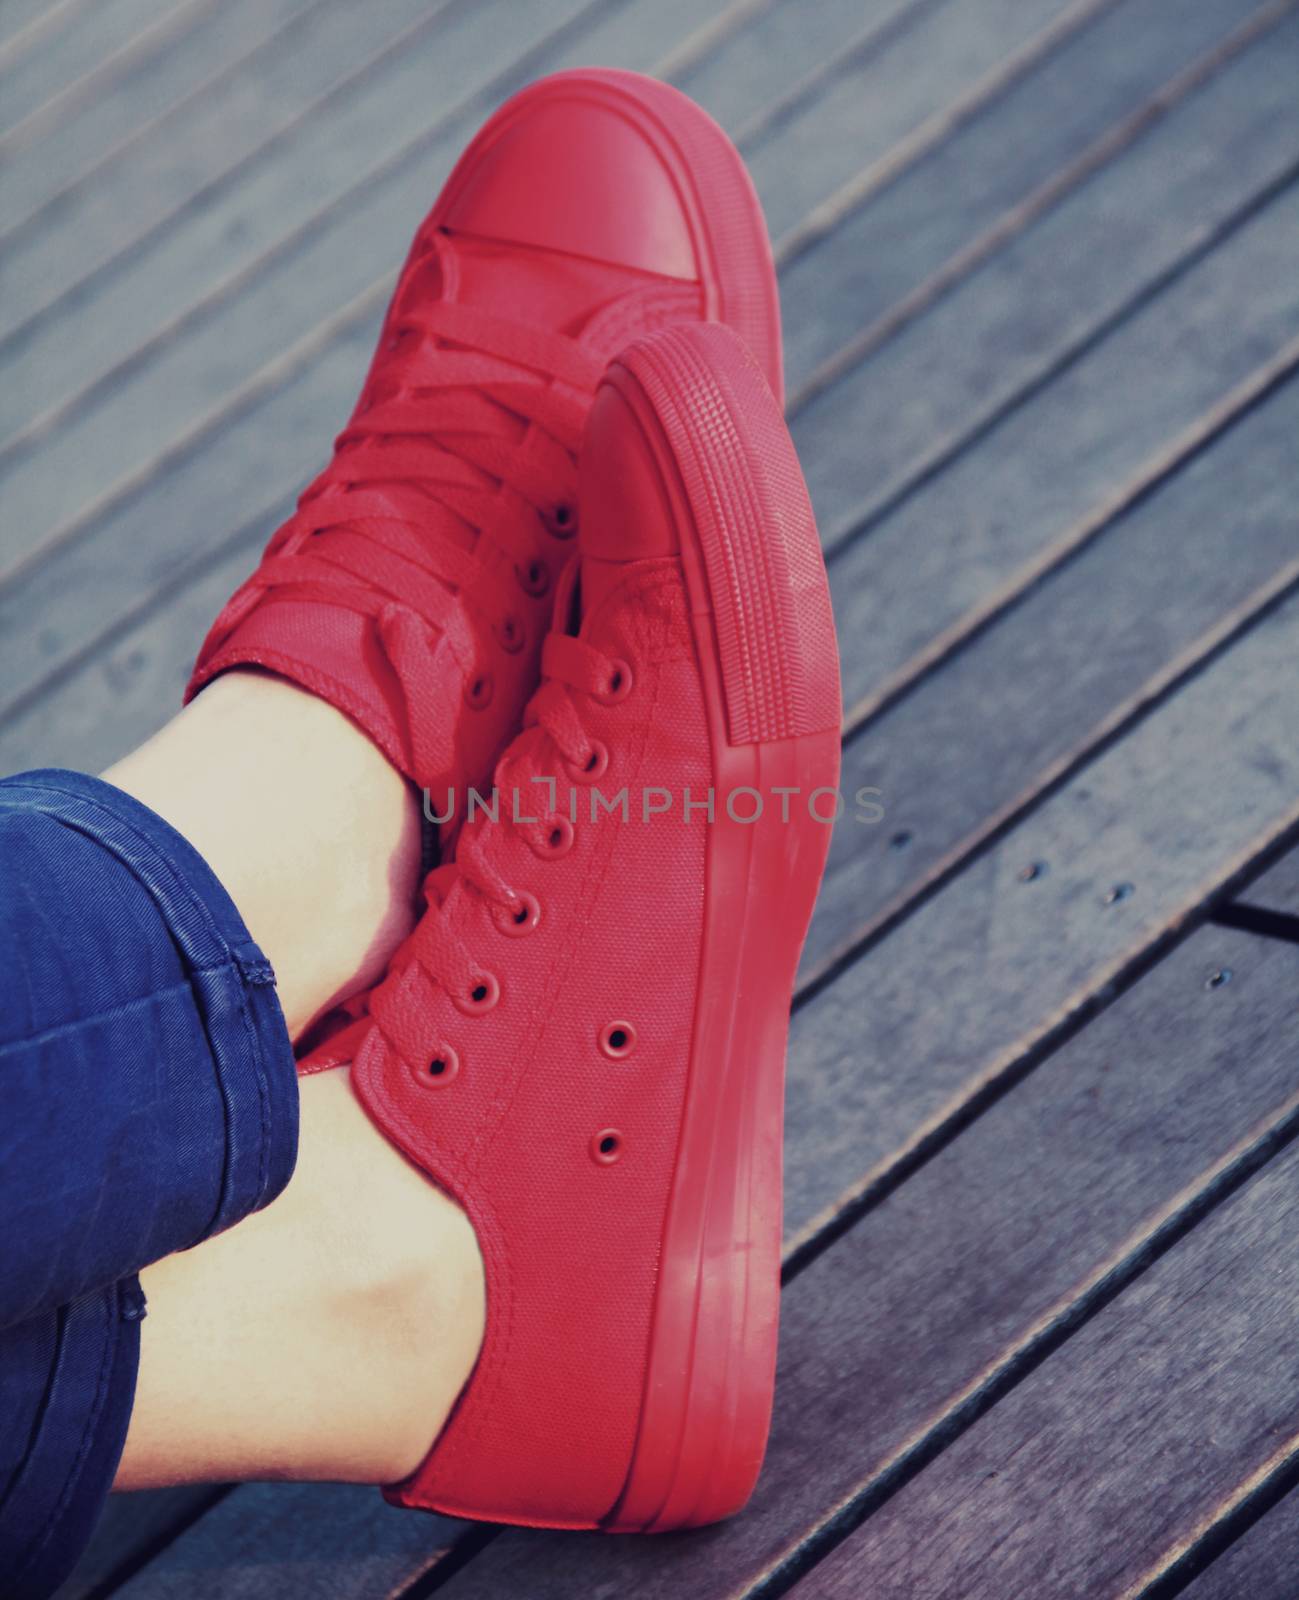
{"points": [[106, 1361], [230, 958], [154, 850], [253, 1037]]}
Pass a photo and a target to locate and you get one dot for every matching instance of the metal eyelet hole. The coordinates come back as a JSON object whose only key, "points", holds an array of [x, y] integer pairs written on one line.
{"points": [[617, 1040], [522, 919], [442, 1067], [534, 579], [606, 1146], [478, 692], [595, 766], [617, 686], [509, 630], [561, 521], [483, 993], [557, 840]]}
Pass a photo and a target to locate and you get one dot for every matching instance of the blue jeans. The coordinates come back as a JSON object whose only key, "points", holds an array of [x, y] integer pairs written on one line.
{"points": [[148, 1100]]}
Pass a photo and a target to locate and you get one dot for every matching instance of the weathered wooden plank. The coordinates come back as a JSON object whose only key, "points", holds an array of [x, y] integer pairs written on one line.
{"points": [[192, 208], [59, 61], [917, 1319], [1025, 495], [24, 23], [313, 1541], [1105, 1462], [126, 419], [191, 373], [1261, 1565], [1137, 841], [1054, 677], [137, 330], [1278, 888], [777, 47], [163, 83], [927, 225], [875, 103], [867, 439], [632, 36], [132, 1528], [139, 556]]}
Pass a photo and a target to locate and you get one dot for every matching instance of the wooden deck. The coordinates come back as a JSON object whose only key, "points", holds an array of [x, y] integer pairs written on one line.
{"points": [[1038, 265]]}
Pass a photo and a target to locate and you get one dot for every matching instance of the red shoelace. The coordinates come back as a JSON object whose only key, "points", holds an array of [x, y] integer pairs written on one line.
{"points": [[473, 423], [554, 744]]}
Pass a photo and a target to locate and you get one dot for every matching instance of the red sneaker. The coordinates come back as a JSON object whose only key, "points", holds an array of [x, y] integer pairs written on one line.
{"points": [[584, 1039], [413, 577]]}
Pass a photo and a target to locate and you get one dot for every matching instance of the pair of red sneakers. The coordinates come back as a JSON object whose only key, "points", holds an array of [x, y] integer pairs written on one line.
{"points": [[565, 533]]}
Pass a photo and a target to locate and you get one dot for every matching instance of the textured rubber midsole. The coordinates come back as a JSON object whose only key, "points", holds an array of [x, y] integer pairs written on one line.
{"points": [[707, 1401]]}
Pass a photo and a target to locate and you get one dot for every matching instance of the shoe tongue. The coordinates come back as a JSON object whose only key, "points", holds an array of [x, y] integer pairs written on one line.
{"points": [[624, 509]]}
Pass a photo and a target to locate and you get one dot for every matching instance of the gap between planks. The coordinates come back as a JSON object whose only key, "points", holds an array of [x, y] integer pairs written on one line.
{"points": [[934, 132], [31, 34], [279, 371], [100, 79], [253, 158], [1018, 218], [151, 127], [1138, 1252]]}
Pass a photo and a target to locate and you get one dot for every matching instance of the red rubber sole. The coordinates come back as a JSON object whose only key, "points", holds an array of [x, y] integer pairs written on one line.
{"points": [[716, 193], [765, 639]]}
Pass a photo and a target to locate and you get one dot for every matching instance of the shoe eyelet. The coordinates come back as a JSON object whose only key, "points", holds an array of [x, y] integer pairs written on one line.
{"points": [[534, 579], [557, 840], [595, 766], [522, 920], [606, 1146], [509, 631], [478, 692], [561, 521], [617, 1040], [442, 1067], [618, 686], [483, 993]]}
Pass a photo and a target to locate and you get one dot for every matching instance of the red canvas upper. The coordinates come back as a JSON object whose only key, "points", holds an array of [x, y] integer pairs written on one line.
{"points": [[412, 587], [583, 1039]]}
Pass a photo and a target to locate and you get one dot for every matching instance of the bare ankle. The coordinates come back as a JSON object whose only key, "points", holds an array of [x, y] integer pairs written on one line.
{"points": [[314, 834]]}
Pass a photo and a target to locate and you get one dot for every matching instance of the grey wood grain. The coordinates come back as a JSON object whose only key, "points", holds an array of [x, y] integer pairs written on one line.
{"points": [[865, 438], [23, 23], [191, 362], [914, 1322], [1041, 687], [162, 83], [917, 220], [175, 377], [1261, 1565], [313, 1541], [875, 103], [1106, 1460], [759, 64], [61, 57], [144, 547], [991, 967], [1018, 498], [191, 371], [192, 207], [133, 1527]]}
